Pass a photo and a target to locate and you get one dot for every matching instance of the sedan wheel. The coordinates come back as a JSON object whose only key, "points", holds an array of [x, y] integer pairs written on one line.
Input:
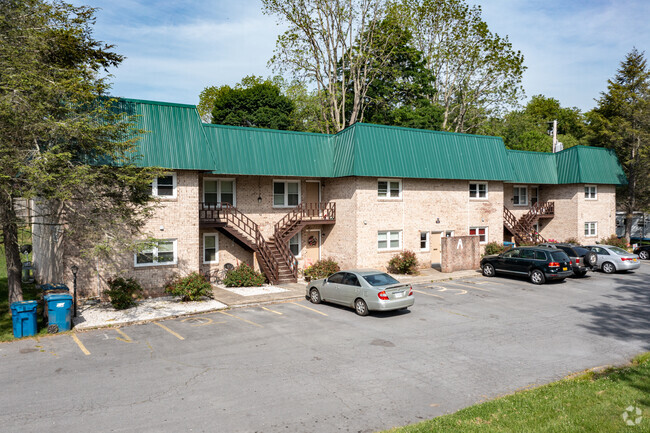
{"points": [[314, 296], [488, 270], [644, 255], [537, 277], [361, 307], [608, 268]]}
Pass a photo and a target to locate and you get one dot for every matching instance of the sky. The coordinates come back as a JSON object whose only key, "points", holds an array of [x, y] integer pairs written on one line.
{"points": [[174, 49]]}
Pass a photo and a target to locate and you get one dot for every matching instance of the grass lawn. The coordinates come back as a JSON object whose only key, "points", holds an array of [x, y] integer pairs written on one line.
{"points": [[591, 402]]}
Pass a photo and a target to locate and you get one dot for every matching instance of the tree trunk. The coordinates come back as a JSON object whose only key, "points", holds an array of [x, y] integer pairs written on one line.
{"points": [[12, 252]]}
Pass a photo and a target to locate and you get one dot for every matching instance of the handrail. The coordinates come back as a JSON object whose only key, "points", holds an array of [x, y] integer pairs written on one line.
{"points": [[302, 212]]}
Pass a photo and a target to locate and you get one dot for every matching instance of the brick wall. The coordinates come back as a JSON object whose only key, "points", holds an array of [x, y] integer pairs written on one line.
{"points": [[459, 253]]}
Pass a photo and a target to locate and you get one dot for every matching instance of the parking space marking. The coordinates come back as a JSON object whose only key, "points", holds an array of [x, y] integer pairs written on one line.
{"points": [[468, 286], [272, 311], [428, 294], [169, 330], [444, 289], [453, 312], [488, 282], [125, 338], [244, 320], [199, 321], [80, 344], [311, 309]]}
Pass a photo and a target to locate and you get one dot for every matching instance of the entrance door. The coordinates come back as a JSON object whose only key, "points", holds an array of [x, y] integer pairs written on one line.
{"points": [[312, 252], [435, 242]]}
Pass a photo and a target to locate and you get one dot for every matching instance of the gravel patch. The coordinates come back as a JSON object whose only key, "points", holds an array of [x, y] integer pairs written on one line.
{"points": [[254, 291]]}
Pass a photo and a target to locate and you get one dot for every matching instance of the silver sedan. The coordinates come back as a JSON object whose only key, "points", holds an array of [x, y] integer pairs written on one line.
{"points": [[612, 259], [363, 290]]}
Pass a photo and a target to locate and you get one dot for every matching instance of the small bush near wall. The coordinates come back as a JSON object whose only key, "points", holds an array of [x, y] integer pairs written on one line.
{"points": [[403, 263], [123, 292], [190, 288], [321, 269], [614, 241], [494, 248], [243, 276], [572, 241]]}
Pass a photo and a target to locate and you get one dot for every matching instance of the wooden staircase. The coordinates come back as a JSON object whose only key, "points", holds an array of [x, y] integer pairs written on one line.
{"points": [[522, 229]]}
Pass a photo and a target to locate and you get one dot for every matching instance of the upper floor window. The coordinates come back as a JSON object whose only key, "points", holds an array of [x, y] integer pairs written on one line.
{"points": [[591, 192], [219, 191], [162, 252], [520, 195], [164, 186], [286, 193], [478, 190], [388, 188]]}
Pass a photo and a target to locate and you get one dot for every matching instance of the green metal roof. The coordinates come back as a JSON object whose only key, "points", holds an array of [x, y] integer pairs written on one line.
{"points": [[177, 139]]}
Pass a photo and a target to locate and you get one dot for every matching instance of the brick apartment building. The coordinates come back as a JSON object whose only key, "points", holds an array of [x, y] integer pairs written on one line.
{"points": [[281, 200]]}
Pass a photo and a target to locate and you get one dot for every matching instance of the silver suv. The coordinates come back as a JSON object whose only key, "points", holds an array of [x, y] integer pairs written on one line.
{"points": [[582, 259]]}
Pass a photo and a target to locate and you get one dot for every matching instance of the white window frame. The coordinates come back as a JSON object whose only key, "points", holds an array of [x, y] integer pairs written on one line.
{"points": [[388, 235], [588, 195], [299, 237], [155, 255], [447, 234], [388, 182], [591, 229], [478, 192], [519, 187], [477, 228], [219, 180], [427, 240], [216, 248], [286, 183], [154, 187]]}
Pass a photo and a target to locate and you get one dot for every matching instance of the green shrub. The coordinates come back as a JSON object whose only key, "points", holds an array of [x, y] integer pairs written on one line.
{"points": [[243, 276], [321, 269], [403, 263], [190, 288], [494, 248], [614, 241], [123, 292], [572, 241]]}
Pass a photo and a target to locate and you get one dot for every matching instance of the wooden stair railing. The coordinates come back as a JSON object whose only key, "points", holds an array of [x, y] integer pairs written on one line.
{"points": [[522, 229]]}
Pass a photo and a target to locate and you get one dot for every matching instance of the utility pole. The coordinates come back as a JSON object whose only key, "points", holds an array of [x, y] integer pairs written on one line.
{"points": [[555, 136]]}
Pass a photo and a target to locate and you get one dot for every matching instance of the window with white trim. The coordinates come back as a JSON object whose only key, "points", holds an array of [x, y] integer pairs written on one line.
{"points": [[219, 191], [591, 192], [295, 245], [478, 190], [520, 195], [424, 241], [164, 186], [481, 232], [210, 248], [162, 252], [389, 240], [389, 188], [286, 193], [591, 229]]}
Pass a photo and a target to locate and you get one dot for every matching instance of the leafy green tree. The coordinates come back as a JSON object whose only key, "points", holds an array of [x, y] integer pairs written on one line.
{"points": [[621, 121], [56, 126]]}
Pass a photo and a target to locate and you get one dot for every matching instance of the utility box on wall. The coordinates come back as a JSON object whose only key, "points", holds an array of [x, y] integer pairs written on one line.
{"points": [[460, 253]]}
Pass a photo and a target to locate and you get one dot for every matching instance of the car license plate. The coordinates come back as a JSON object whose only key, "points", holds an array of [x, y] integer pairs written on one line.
{"points": [[564, 269], [399, 294]]}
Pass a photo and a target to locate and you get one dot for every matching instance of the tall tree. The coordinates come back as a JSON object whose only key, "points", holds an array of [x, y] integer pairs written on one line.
{"points": [[621, 121], [478, 74], [56, 127], [330, 43]]}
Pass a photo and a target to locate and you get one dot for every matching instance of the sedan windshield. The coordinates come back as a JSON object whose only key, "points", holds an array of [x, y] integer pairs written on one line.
{"points": [[618, 250], [380, 280]]}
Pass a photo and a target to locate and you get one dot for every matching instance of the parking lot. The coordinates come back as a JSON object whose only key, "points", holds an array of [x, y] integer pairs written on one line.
{"points": [[298, 367]]}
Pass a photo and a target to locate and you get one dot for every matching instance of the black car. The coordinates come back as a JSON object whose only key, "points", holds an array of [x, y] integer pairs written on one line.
{"points": [[582, 259], [537, 263], [643, 252]]}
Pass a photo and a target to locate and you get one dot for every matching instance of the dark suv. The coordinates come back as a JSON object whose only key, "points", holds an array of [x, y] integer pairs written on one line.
{"points": [[537, 263], [582, 259], [643, 252]]}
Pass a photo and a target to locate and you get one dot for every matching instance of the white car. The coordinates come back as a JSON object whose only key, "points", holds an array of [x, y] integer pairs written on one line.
{"points": [[612, 259]]}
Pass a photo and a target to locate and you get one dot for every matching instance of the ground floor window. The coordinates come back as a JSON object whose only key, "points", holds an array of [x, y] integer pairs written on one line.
{"points": [[210, 248], [389, 240], [424, 241], [295, 245], [481, 232], [162, 252], [591, 229]]}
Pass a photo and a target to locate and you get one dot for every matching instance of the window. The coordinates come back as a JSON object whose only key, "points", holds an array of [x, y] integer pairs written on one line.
{"points": [[591, 229], [162, 252], [514, 253], [351, 280], [424, 241], [478, 190], [387, 188], [539, 255], [590, 192], [389, 240], [210, 248], [164, 186], [481, 232], [520, 195], [336, 278], [295, 245], [219, 191], [286, 193], [449, 233]]}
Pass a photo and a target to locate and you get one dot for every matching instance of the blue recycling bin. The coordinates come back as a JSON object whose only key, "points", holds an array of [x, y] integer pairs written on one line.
{"points": [[23, 315], [49, 289], [59, 312]]}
